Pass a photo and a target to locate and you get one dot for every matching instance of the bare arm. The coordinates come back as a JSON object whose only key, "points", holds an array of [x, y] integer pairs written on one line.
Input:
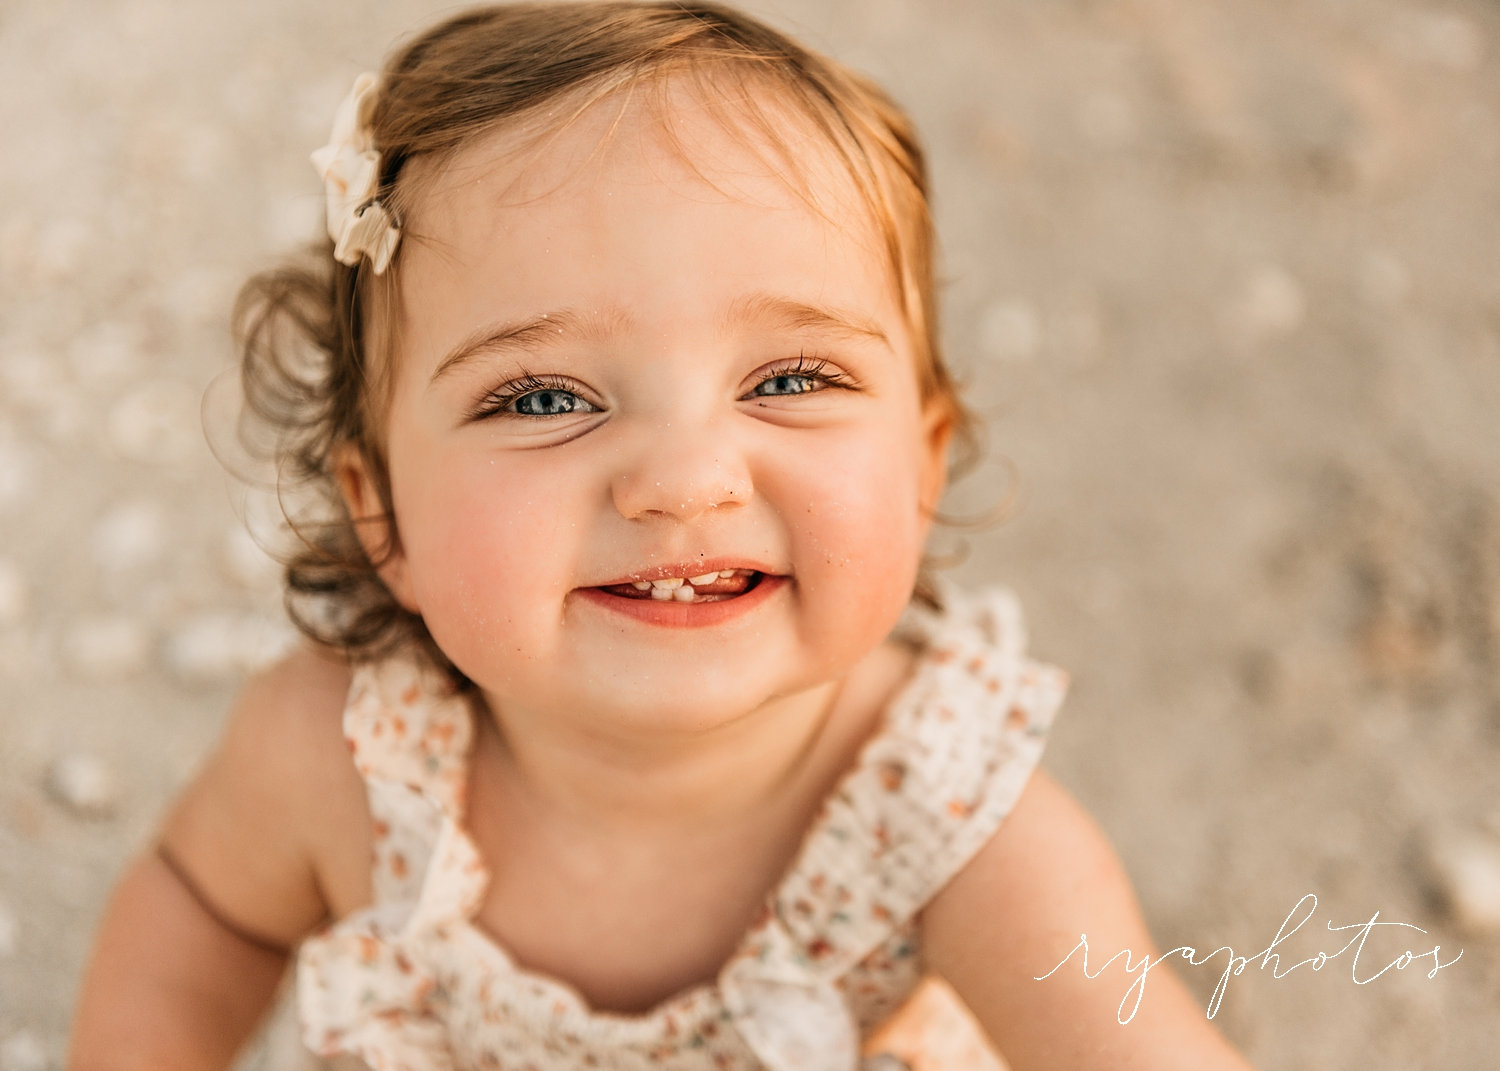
{"points": [[192, 947], [1014, 912], [162, 959]]}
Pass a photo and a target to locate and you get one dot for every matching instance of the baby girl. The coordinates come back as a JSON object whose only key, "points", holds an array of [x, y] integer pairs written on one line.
{"points": [[630, 731]]}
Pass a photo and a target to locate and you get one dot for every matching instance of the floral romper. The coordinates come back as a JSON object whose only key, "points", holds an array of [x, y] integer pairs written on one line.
{"points": [[410, 983]]}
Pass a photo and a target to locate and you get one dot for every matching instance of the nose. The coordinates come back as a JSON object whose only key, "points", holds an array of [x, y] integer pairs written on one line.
{"points": [[681, 472]]}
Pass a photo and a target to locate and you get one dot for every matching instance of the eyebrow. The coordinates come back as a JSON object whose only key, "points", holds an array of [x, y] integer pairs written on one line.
{"points": [[529, 335], [538, 332], [800, 315]]}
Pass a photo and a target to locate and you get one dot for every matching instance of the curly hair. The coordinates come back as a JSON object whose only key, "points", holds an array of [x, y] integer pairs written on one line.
{"points": [[309, 330]]}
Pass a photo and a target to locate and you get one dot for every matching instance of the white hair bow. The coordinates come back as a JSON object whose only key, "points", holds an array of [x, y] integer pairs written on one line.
{"points": [[359, 225]]}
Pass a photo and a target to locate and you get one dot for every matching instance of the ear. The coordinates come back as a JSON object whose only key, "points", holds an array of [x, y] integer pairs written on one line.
{"points": [[374, 521], [937, 434]]}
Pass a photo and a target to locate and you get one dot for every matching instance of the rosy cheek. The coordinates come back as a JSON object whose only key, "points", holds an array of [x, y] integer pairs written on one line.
{"points": [[858, 520], [480, 540]]}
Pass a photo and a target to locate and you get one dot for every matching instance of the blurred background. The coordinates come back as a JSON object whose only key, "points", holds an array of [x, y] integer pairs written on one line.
{"points": [[1224, 278]]}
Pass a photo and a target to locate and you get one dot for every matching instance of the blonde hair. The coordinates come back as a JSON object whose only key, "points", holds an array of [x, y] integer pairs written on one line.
{"points": [[305, 329]]}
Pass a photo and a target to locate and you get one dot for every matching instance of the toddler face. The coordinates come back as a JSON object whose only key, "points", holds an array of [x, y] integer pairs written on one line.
{"points": [[626, 359]]}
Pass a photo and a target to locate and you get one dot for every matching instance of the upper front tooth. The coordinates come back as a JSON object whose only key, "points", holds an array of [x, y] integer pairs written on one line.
{"points": [[669, 583], [706, 578], [641, 585]]}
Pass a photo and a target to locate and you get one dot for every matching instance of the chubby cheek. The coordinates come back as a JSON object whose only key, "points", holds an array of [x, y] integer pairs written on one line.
{"points": [[484, 546], [858, 534]]}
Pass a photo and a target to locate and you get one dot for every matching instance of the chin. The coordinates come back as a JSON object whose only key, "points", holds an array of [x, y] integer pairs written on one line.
{"points": [[684, 706]]}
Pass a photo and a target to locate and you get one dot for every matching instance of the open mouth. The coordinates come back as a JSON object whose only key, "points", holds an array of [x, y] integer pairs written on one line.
{"points": [[709, 587]]}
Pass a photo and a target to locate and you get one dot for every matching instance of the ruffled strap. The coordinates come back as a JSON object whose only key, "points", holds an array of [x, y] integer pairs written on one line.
{"points": [[787, 1010], [410, 733], [392, 1018], [965, 737], [961, 741], [407, 727], [360, 988]]}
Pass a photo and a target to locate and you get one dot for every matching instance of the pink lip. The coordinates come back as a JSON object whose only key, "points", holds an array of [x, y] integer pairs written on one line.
{"points": [[698, 567], [666, 613]]}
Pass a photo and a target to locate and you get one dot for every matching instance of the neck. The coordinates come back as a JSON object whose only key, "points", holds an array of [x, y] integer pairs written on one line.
{"points": [[616, 783], [592, 779]]}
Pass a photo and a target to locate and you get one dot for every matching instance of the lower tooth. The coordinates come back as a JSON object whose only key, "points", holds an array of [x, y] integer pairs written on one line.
{"points": [[661, 594], [684, 593]]}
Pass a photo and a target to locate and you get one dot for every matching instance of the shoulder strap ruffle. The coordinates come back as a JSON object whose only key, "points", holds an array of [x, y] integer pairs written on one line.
{"points": [[391, 1015], [410, 734], [929, 790], [407, 727], [359, 989]]}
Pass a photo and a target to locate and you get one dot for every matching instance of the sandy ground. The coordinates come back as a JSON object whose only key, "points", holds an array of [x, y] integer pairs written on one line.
{"points": [[1225, 278]]}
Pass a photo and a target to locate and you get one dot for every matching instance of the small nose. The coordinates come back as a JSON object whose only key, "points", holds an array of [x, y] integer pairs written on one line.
{"points": [[681, 473]]}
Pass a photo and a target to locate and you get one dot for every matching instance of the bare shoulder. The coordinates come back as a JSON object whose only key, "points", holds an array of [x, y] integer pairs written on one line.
{"points": [[1049, 874], [291, 712], [273, 832]]}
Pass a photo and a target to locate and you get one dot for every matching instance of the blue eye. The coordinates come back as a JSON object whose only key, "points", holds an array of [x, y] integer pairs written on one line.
{"points": [[549, 402], [533, 398], [805, 375], [785, 383]]}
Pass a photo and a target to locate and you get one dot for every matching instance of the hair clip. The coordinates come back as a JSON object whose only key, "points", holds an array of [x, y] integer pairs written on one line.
{"points": [[359, 225]]}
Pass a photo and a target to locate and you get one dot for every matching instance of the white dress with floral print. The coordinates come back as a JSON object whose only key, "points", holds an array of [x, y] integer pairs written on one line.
{"points": [[411, 984]]}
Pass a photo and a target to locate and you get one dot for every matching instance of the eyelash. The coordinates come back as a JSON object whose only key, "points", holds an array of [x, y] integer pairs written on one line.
{"points": [[498, 401], [814, 368], [495, 403]]}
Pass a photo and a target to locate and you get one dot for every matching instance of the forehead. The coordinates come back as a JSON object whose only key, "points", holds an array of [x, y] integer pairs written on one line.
{"points": [[651, 205], [708, 134]]}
